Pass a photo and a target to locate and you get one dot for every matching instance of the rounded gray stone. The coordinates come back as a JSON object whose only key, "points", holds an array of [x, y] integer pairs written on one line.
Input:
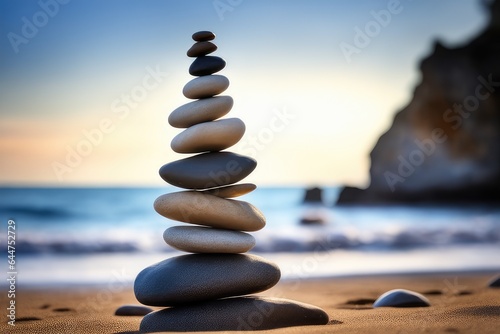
{"points": [[204, 209], [200, 111], [208, 170], [206, 86], [401, 298], [197, 239], [206, 65], [201, 49], [203, 35], [132, 310], [235, 314], [194, 278], [209, 136]]}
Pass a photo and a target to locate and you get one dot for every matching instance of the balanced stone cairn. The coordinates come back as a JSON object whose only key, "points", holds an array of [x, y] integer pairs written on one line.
{"points": [[206, 291]]}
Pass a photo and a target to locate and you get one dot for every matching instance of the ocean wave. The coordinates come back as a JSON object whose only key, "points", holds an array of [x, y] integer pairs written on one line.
{"points": [[275, 241], [407, 239], [39, 212], [74, 248]]}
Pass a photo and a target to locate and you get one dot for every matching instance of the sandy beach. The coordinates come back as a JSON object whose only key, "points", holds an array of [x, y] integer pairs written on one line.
{"points": [[461, 303]]}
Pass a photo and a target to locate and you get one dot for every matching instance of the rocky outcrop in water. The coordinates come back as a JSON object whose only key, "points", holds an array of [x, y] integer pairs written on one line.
{"points": [[313, 195], [444, 146]]}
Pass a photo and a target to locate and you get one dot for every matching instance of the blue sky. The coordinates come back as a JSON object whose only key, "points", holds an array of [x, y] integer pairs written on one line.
{"points": [[283, 58]]}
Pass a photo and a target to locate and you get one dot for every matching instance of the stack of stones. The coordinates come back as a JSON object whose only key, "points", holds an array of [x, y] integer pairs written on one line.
{"points": [[204, 291]]}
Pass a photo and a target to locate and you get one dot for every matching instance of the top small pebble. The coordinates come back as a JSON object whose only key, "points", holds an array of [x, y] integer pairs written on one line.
{"points": [[202, 36]]}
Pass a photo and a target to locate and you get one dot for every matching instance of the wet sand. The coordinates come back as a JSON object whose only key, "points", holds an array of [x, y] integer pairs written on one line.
{"points": [[460, 303]]}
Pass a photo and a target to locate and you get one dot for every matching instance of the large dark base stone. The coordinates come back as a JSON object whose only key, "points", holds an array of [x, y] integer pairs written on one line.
{"points": [[234, 314], [193, 278]]}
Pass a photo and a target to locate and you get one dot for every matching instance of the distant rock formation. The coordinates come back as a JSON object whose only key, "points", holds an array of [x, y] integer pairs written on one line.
{"points": [[444, 147], [313, 195]]}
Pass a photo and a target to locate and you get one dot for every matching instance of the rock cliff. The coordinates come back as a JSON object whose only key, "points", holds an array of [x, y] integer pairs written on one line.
{"points": [[444, 146]]}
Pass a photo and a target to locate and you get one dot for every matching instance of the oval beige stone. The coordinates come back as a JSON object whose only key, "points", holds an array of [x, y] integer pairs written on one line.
{"points": [[209, 210], [198, 239], [200, 111], [209, 136], [205, 86], [234, 190]]}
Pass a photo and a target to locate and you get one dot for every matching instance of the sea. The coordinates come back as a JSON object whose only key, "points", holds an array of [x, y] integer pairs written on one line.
{"points": [[79, 236]]}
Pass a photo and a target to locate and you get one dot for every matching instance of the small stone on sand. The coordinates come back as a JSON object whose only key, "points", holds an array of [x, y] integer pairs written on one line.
{"points": [[131, 310], [401, 298]]}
